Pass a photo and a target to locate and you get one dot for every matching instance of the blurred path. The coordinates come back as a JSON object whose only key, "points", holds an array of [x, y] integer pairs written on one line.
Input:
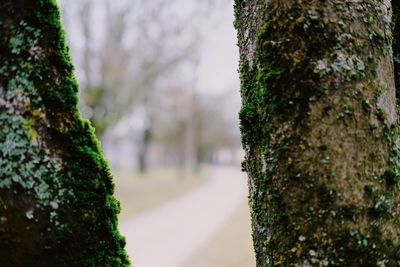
{"points": [[169, 235]]}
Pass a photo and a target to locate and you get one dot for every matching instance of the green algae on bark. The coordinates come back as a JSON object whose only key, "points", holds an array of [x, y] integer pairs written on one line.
{"points": [[318, 123], [56, 191]]}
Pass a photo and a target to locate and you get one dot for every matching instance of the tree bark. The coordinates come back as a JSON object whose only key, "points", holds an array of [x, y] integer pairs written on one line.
{"points": [[320, 131], [56, 203], [396, 44]]}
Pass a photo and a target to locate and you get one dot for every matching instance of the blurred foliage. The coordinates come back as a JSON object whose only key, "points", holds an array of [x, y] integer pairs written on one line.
{"points": [[137, 68]]}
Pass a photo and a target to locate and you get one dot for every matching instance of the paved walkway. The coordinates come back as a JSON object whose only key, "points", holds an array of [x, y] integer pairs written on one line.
{"points": [[170, 234]]}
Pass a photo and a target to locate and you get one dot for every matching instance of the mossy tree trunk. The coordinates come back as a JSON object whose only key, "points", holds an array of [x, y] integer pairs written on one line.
{"points": [[396, 44], [56, 202], [320, 131]]}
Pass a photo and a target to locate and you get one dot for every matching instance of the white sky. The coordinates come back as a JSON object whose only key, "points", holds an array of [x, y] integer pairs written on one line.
{"points": [[219, 55]]}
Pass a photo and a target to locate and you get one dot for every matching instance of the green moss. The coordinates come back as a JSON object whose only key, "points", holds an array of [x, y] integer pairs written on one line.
{"points": [[48, 152]]}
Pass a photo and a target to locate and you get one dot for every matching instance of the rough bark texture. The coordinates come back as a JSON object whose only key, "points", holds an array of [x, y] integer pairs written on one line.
{"points": [[396, 44], [320, 131], [56, 203]]}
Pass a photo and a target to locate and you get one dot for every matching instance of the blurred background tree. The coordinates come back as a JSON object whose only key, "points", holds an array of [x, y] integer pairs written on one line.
{"points": [[137, 64], [159, 82]]}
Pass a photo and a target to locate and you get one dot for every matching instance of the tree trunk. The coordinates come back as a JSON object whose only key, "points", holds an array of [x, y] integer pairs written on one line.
{"points": [[396, 43], [320, 131], [56, 203], [143, 150]]}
